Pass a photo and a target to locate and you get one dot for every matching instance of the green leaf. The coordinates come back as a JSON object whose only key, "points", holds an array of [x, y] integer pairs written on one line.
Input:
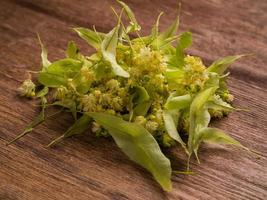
{"points": [[77, 128], [108, 48], [51, 80], [178, 102], [65, 66], [58, 72], [134, 26], [93, 38], [40, 118], [45, 61], [219, 66], [171, 118], [139, 145], [72, 50]]}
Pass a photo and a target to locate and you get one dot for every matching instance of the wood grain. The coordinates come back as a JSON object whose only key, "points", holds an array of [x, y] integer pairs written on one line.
{"points": [[87, 167]]}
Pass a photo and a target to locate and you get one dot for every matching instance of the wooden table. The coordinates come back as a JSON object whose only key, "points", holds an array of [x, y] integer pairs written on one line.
{"points": [[87, 167]]}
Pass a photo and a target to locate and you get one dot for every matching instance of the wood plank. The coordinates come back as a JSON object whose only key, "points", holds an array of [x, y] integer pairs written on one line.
{"points": [[87, 167]]}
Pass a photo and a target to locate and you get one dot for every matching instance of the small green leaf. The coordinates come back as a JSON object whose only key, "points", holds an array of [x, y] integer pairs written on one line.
{"points": [[72, 50], [139, 145], [170, 118], [77, 128], [219, 66], [93, 38], [108, 48], [45, 61]]}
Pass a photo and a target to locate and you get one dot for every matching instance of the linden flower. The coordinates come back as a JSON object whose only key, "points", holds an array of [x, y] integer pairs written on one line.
{"points": [[140, 120], [195, 73], [151, 126], [95, 127], [145, 52], [27, 88], [113, 84], [61, 93], [116, 103], [87, 74], [146, 61], [89, 103]]}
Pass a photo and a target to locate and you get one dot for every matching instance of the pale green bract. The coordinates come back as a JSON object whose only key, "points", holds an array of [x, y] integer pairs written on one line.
{"points": [[108, 48], [146, 92]]}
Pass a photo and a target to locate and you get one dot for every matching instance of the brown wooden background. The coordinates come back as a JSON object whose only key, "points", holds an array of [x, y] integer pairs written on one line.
{"points": [[87, 167]]}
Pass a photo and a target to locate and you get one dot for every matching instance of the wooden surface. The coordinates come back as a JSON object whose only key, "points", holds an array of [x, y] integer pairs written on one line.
{"points": [[87, 167]]}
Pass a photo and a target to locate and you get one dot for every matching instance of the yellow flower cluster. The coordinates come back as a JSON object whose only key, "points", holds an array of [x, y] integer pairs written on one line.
{"points": [[146, 62], [109, 97], [195, 73]]}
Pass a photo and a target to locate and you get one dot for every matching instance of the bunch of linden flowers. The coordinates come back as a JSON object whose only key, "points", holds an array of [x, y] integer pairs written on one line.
{"points": [[144, 92]]}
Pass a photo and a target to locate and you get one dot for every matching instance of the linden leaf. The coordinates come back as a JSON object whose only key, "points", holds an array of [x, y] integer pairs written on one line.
{"points": [[139, 145]]}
